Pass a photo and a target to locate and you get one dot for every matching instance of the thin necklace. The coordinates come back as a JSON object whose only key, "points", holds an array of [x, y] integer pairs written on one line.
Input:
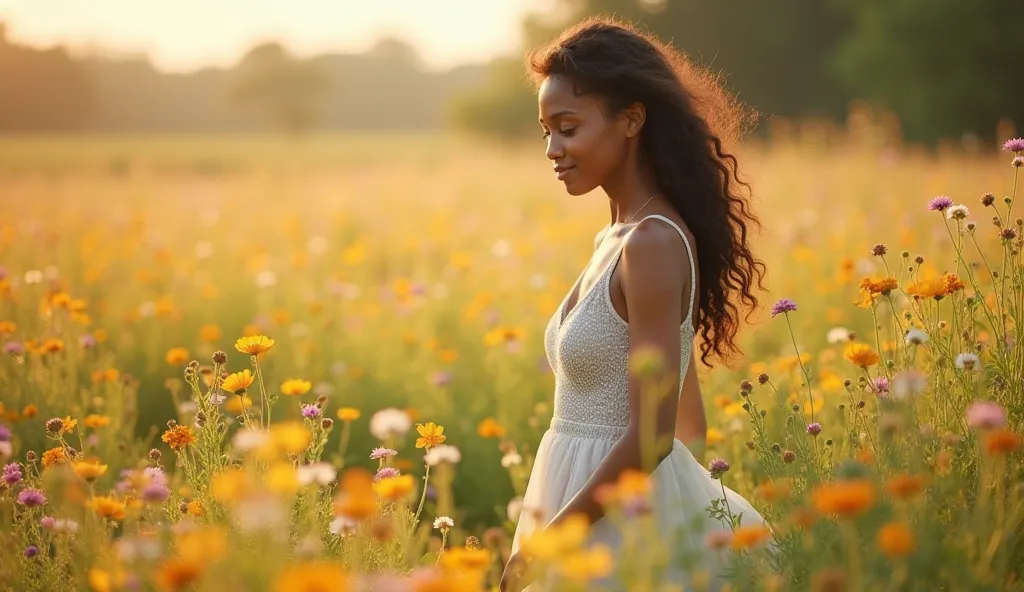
{"points": [[641, 208]]}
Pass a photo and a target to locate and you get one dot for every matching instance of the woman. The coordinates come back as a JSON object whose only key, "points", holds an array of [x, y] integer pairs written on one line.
{"points": [[626, 113]]}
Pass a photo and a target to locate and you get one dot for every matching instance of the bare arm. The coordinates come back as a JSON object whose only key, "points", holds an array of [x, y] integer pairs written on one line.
{"points": [[691, 423], [653, 285]]}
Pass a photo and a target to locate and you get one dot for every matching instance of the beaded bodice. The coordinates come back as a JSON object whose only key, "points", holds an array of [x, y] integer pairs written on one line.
{"points": [[588, 352]]}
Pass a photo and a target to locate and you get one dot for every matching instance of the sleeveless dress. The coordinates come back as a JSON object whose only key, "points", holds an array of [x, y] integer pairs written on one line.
{"points": [[588, 353]]}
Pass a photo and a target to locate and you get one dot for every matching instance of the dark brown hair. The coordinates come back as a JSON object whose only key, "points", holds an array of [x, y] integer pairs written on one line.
{"points": [[689, 120]]}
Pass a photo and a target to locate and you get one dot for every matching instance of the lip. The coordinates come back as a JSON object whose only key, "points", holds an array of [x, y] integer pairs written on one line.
{"points": [[562, 171]]}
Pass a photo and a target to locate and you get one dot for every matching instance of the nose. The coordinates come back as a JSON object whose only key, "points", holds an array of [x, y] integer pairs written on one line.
{"points": [[555, 150]]}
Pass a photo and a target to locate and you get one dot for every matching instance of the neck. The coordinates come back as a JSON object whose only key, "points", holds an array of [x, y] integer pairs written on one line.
{"points": [[628, 193]]}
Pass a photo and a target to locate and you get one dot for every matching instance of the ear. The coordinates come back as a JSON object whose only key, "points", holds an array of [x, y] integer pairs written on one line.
{"points": [[636, 115]]}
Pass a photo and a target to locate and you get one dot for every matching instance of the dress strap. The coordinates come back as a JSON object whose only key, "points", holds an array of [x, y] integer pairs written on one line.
{"points": [[689, 253]]}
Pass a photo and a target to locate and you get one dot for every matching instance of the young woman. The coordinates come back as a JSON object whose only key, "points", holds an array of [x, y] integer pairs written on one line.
{"points": [[626, 113]]}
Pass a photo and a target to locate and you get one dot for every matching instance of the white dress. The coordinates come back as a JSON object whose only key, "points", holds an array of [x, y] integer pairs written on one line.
{"points": [[588, 353]]}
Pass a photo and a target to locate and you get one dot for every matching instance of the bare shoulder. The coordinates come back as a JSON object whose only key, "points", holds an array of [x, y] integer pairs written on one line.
{"points": [[653, 247]]}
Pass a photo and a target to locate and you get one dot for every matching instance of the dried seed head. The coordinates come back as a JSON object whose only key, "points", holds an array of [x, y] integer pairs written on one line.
{"points": [[155, 455], [988, 199], [220, 357], [762, 378]]}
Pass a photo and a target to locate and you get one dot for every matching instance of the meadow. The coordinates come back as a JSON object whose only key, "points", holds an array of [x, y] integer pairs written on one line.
{"points": [[247, 363]]}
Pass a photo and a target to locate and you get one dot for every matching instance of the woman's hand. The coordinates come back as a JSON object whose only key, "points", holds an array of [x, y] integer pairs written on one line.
{"points": [[516, 575]]}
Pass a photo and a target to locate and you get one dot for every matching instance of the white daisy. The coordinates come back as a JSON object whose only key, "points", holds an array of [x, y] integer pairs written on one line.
{"points": [[320, 473], [444, 523], [967, 361], [442, 453], [916, 336], [390, 422]]}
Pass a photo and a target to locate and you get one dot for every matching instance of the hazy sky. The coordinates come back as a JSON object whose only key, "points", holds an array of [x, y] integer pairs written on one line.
{"points": [[181, 35]]}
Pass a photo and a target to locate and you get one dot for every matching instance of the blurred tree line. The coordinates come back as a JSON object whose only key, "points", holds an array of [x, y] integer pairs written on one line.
{"points": [[385, 88], [944, 67]]}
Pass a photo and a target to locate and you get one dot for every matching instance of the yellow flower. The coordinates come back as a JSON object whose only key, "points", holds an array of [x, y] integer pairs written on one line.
{"points": [[500, 335], [631, 485], [490, 428], [96, 421], [177, 356], [236, 403], [312, 576], [238, 382], [107, 506], [229, 485], [448, 355], [68, 425], [7, 327], [431, 434], [208, 544], [395, 488], [348, 414], [556, 541], [895, 539], [862, 355], [254, 345], [464, 558], [89, 469], [288, 437], [178, 437], [104, 581], [282, 479], [589, 564], [295, 386], [714, 436]]}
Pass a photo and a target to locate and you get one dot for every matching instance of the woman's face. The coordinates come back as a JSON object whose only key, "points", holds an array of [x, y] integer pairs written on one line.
{"points": [[585, 143]]}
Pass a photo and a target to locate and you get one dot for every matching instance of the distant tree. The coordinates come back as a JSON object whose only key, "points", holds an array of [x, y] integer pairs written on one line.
{"points": [[43, 89], [285, 89], [503, 108], [945, 67]]}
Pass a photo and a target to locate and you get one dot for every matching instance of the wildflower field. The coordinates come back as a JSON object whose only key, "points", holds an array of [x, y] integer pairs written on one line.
{"points": [[244, 364]]}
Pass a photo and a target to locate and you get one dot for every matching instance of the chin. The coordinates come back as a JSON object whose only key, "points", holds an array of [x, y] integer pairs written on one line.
{"points": [[576, 189]]}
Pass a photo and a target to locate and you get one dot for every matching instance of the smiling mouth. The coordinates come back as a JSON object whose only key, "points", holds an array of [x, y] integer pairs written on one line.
{"points": [[561, 172]]}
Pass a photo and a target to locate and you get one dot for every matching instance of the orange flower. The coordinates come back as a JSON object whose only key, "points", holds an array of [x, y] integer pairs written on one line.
{"points": [[89, 469], [395, 488], [348, 414], [312, 576], [178, 574], [1001, 442], [490, 428], [774, 490], [951, 283], [54, 456], [747, 537], [895, 539], [845, 498], [879, 286], [178, 437], [905, 486], [177, 356], [209, 333], [431, 434], [96, 421], [107, 506], [356, 500], [295, 386], [862, 355], [194, 508]]}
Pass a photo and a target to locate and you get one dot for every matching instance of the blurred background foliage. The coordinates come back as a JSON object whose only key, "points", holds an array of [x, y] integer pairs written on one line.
{"points": [[941, 67]]}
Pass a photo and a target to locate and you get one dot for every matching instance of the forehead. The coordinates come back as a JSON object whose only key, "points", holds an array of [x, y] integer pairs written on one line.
{"points": [[557, 96]]}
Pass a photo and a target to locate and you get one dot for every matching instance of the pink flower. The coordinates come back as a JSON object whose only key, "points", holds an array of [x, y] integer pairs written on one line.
{"points": [[985, 415]]}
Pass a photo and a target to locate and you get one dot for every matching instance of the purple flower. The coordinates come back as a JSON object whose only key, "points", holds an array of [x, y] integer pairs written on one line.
{"points": [[3, 272], [814, 428], [940, 203], [14, 348], [441, 378], [881, 385], [717, 467], [310, 410], [31, 498], [381, 452], [385, 473], [1014, 145], [155, 492], [47, 522], [5, 434], [985, 415], [155, 475], [783, 306], [31, 551], [12, 473], [87, 341]]}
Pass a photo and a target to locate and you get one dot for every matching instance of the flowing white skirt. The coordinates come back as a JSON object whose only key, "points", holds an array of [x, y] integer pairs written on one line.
{"points": [[682, 491]]}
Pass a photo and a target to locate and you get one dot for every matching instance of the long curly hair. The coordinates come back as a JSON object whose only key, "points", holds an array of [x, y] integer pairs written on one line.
{"points": [[690, 119]]}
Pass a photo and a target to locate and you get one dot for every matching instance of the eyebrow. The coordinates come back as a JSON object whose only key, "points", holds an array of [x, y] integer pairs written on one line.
{"points": [[561, 113]]}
